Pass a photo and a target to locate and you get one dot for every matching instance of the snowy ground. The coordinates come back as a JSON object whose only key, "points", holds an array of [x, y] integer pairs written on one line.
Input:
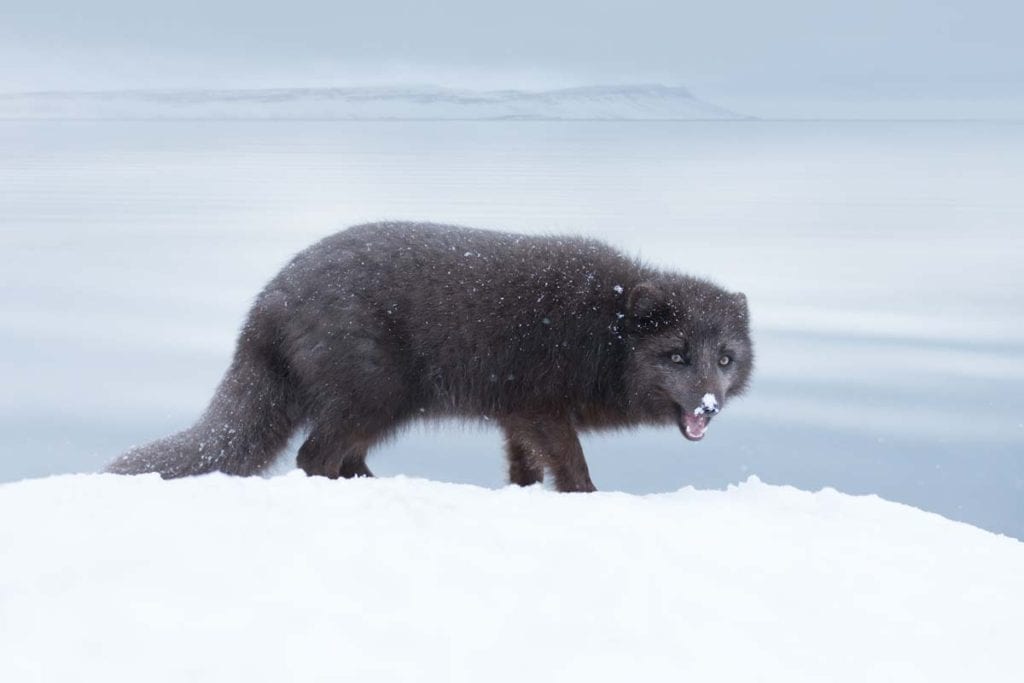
{"points": [[289, 578]]}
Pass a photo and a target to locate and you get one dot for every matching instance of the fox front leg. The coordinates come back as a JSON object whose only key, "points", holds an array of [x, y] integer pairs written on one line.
{"points": [[555, 444]]}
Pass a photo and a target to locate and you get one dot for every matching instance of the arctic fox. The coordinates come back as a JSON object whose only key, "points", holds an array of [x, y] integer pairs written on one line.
{"points": [[386, 323]]}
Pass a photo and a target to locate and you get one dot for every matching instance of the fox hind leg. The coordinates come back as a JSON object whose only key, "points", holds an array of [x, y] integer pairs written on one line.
{"points": [[354, 467], [325, 455]]}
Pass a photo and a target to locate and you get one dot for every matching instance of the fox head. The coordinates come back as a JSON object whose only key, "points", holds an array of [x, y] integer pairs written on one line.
{"points": [[689, 351]]}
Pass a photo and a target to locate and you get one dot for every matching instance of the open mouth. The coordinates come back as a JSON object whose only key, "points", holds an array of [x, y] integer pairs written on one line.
{"points": [[693, 426]]}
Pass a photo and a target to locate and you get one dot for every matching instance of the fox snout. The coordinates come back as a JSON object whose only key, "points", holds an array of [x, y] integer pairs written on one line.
{"points": [[694, 423]]}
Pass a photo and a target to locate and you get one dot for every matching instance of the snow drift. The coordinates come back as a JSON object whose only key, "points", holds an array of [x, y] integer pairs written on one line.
{"points": [[634, 102], [218, 578]]}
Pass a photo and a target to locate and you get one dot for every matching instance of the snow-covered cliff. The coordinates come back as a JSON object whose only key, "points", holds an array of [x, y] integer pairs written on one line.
{"points": [[634, 102]]}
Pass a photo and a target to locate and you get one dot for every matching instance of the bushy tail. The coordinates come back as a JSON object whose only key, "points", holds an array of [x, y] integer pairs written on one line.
{"points": [[245, 427]]}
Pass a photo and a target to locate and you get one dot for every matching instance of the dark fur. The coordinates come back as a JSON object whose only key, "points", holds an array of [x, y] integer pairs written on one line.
{"points": [[386, 323]]}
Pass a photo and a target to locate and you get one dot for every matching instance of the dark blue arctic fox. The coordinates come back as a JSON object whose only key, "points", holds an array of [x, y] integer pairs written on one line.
{"points": [[383, 324]]}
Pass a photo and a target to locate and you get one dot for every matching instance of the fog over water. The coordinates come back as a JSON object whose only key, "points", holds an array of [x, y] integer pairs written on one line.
{"points": [[789, 58], [881, 261]]}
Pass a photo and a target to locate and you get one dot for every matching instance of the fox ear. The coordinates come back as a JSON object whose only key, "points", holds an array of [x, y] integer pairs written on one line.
{"points": [[741, 300], [649, 304]]}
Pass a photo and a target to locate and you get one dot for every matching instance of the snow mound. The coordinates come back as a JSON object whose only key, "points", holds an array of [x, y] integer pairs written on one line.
{"points": [[633, 102], [218, 578]]}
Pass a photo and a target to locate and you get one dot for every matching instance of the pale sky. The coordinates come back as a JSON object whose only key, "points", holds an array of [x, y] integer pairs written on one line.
{"points": [[738, 53]]}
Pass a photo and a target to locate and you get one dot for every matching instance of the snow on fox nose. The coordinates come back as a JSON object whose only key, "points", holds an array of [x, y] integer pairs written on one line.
{"points": [[708, 405]]}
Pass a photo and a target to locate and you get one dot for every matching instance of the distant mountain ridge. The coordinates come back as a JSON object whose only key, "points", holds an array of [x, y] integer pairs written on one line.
{"points": [[627, 103]]}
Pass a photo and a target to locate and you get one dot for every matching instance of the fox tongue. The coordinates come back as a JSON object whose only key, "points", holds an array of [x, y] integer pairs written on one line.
{"points": [[694, 426]]}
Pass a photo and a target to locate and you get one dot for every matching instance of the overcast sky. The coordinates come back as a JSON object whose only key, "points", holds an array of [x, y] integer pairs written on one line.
{"points": [[734, 52]]}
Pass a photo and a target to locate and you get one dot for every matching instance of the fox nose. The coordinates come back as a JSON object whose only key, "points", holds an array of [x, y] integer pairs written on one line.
{"points": [[709, 405]]}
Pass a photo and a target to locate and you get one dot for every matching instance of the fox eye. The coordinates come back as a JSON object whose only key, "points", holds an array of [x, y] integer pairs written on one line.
{"points": [[724, 360], [677, 358]]}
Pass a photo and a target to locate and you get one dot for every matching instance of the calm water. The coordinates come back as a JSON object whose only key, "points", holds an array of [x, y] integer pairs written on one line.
{"points": [[882, 262]]}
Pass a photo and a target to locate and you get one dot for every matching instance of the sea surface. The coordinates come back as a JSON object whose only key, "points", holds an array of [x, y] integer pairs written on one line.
{"points": [[882, 262]]}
